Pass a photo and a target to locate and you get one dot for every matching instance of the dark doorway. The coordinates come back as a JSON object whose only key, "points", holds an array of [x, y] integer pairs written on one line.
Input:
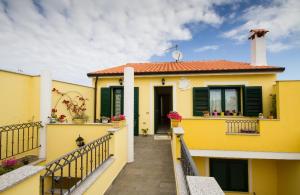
{"points": [[163, 104]]}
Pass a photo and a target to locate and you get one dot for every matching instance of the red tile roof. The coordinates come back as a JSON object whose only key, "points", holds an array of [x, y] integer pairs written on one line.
{"points": [[186, 67]]}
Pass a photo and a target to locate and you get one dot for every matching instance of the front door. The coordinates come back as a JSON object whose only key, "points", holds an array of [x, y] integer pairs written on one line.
{"points": [[163, 104]]}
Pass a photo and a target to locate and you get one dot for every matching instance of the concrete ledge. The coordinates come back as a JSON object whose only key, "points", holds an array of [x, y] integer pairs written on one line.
{"points": [[96, 124], [178, 130], [246, 154], [16, 176], [203, 186], [84, 186], [180, 181]]}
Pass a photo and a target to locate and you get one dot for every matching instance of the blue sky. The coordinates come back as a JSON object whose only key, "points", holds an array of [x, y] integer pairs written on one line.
{"points": [[215, 46], [71, 38]]}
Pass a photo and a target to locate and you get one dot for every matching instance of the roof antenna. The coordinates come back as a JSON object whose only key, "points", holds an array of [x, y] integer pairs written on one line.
{"points": [[176, 54]]}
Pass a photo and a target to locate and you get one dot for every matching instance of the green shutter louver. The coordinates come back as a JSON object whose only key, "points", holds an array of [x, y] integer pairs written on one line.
{"points": [[200, 100], [105, 102], [252, 101]]}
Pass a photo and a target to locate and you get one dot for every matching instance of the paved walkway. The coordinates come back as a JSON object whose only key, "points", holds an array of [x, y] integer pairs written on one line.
{"points": [[151, 173]]}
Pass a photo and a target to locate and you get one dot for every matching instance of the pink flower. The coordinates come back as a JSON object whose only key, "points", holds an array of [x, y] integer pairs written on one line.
{"points": [[174, 115], [9, 162]]}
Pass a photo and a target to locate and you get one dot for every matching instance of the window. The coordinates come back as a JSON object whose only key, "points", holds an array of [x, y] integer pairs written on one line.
{"points": [[231, 174], [117, 101], [224, 100]]}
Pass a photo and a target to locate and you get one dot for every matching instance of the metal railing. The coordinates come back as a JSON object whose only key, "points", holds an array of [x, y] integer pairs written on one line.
{"points": [[66, 173], [242, 126], [19, 138], [187, 162]]}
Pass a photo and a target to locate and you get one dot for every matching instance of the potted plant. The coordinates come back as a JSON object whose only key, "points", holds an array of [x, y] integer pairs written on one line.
{"points": [[175, 118], [205, 113], [62, 118], [104, 119], [118, 120], [271, 116], [145, 131], [53, 117], [227, 113], [234, 113], [215, 113], [75, 105]]}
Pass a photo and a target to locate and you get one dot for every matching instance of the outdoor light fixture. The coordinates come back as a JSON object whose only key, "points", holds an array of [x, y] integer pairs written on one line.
{"points": [[121, 81], [163, 81], [79, 141]]}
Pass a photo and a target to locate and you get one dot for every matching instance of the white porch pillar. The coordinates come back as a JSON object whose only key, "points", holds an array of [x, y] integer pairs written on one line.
{"points": [[45, 107], [129, 108]]}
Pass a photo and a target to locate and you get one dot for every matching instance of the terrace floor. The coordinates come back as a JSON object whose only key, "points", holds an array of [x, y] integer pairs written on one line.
{"points": [[151, 173]]}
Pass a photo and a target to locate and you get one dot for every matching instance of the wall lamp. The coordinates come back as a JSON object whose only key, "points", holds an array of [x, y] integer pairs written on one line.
{"points": [[163, 81], [121, 81], [80, 141]]}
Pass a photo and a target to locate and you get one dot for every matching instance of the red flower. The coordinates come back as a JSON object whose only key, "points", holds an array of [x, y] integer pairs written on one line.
{"points": [[174, 115]]}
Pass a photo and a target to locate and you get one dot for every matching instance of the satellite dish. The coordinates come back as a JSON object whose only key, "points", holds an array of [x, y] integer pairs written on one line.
{"points": [[177, 55]]}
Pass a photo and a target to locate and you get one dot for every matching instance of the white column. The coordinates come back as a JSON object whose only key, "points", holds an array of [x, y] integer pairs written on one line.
{"points": [[45, 107], [129, 108]]}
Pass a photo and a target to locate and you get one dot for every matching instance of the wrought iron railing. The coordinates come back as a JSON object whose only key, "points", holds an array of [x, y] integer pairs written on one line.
{"points": [[242, 126], [64, 174], [19, 138], [187, 162]]}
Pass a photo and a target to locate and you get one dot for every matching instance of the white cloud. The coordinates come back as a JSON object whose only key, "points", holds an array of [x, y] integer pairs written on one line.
{"points": [[76, 37], [281, 18], [206, 48]]}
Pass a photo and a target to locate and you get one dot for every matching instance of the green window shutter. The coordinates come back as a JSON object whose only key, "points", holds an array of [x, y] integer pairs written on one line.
{"points": [[105, 102], [252, 101], [200, 100]]}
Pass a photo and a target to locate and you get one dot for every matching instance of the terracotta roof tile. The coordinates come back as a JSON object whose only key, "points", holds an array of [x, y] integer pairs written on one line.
{"points": [[188, 67]]}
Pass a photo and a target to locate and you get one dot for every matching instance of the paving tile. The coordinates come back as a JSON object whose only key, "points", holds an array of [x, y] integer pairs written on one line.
{"points": [[150, 174]]}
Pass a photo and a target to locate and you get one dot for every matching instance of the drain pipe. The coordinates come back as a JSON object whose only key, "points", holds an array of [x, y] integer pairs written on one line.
{"points": [[95, 99]]}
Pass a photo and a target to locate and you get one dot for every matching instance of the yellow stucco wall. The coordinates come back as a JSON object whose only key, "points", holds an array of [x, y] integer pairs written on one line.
{"points": [[288, 177], [209, 134], [183, 98], [61, 137], [262, 175], [120, 151], [19, 98], [86, 92], [30, 186]]}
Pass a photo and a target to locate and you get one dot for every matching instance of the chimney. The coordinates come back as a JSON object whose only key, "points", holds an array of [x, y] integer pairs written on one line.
{"points": [[258, 47]]}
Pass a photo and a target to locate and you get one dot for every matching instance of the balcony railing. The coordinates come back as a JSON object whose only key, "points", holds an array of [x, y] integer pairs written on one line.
{"points": [[187, 163], [66, 173], [19, 138], [242, 126]]}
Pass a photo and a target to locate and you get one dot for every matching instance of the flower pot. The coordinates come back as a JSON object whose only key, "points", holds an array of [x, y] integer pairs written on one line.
{"points": [[78, 121], [104, 120], [174, 123], [117, 124]]}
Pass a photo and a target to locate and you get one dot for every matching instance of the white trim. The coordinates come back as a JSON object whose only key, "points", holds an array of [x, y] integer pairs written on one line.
{"points": [[151, 103], [226, 83], [113, 84], [189, 75], [246, 154]]}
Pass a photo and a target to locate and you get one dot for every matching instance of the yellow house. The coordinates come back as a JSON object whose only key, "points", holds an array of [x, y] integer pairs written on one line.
{"points": [[238, 123]]}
